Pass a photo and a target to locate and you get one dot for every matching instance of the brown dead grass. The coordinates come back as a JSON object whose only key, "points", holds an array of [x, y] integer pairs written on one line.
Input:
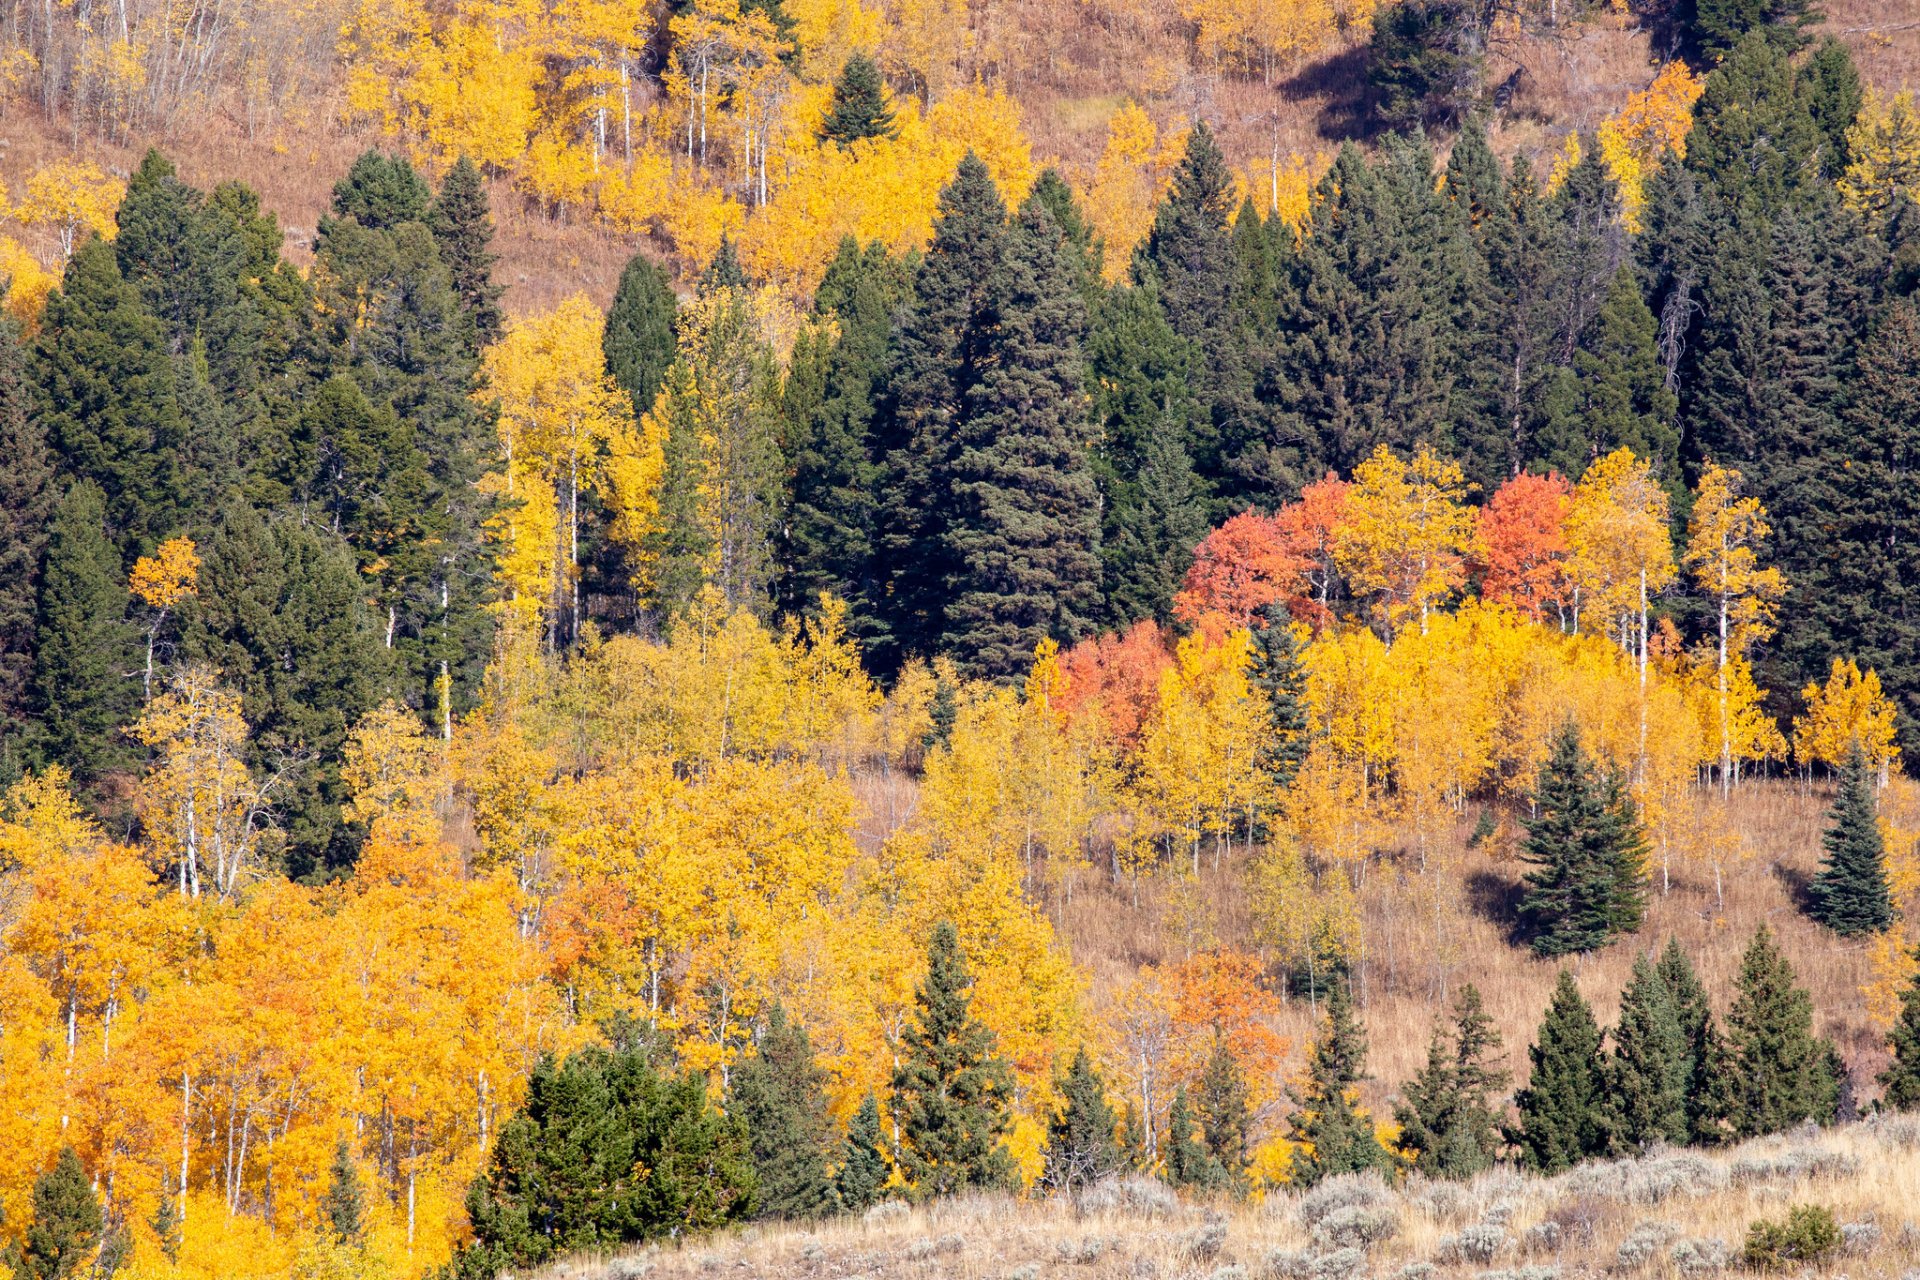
{"points": [[1863, 1173]]}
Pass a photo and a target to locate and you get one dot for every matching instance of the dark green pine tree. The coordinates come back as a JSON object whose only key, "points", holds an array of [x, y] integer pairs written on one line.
{"points": [[167, 1227], [463, 227], [1753, 131], [344, 1206], [1709, 1090], [638, 340], [1188, 1163], [604, 1151], [67, 1223], [859, 108], [1424, 62], [1226, 1114], [1448, 1121], [939, 353], [1782, 1073], [1276, 672], [1900, 1082], [1504, 385], [86, 686], [1562, 1111], [27, 499], [1083, 249], [1081, 1149], [779, 1095], [1152, 502], [1834, 96], [1715, 26], [725, 271], [1614, 393], [1023, 513], [1649, 1072], [1189, 259], [282, 613], [828, 403], [1849, 893], [1585, 843], [861, 1180], [105, 391], [381, 192], [1331, 1134], [185, 260], [952, 1096]]}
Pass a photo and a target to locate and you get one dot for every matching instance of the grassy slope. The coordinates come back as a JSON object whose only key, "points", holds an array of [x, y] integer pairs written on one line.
{"points": [[1622, 1219]]}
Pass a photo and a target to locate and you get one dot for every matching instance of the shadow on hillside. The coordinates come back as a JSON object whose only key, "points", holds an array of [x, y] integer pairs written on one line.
{"points": [[1341, 81], [1496, 899], [1799, 886]]}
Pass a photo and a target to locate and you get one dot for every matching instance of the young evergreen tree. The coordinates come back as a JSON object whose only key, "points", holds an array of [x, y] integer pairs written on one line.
{"points": [[1719, 25], [1849, 893], [1226, 1114], [859, 107], [604, 1151], [1709, 1090], [1188, 1162], [381, 191], [1424, 62], [1081, 1149], [1447, 1118], [1022, 522], [462, 225], [1585, 842], [861, 1180], [1781, 1071], [27, 499], [85, 682], [1331, 1135], [1900, 1082], [67, 1223], [345, 1204], [940, 352], [1834, 97], [1649, 1072], [951, 1094], [725, 271], [1278, 675], [638, 340], [1562, 1111], [1084, 251], [779, 1095]]}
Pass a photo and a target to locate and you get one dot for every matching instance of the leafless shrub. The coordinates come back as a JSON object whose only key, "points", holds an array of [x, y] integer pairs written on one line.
{"points": [[1089, 1250], [1347, 1191], [1204, 1242]]}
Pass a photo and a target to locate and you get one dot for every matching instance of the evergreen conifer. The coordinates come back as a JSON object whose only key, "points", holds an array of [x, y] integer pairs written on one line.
{"points": [[1081, 1149], [1188, 1163], [1446, 1116], [345, 1203], [1562, 1118], [1331, 1134], [381, 191], [1585, 842], [1834, 98], [1849, 893], [463, 228], [861, 1180], [638, 340], [1278, 675], [1781, 1072], [1225, 1113], [87, 658], [27, 499], [779, 1094], [67, 1223], [951, 1094], [859, 107], [1709, 1089], [1649, 1072], [1900, 1082]]}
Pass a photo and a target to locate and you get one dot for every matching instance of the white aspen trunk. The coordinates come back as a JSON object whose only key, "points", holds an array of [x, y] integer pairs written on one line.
{"points": [[186, 1131]]}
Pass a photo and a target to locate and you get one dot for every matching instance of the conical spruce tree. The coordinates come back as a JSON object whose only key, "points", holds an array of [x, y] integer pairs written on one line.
{"points": [[1834, 97], [1585, 842], [1188, 1163], [1849, 893], [1023, 518], [780, 1095], [725, 271], [638, 340], [1781, 1071], [85, 685], [344, 1205], [1226, 1114], [1447, 1118], [1562, 1111], [1900, 1082], [1081, 1149], [1277, 674], [27, 499], [67, 1224], [463, 228], [1709, 1089], [859, 108], [381, 191], [952, 1096], [861, 1180], [1330, 1133], [1614, 394], [1649, 1071]]}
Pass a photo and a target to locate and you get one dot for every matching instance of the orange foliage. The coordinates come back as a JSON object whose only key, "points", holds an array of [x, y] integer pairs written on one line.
{"points": [[1116, 678], [1522, 544], [1239, 569]]}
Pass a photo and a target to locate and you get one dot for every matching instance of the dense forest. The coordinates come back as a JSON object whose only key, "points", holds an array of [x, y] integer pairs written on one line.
{"points": [[486, 783]]}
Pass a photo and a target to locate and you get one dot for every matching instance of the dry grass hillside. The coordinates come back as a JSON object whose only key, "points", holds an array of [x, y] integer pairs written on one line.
{"points": [[1067, 66], [1668, 1214]]}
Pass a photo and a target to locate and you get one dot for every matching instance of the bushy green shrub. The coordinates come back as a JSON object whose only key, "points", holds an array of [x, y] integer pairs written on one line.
{"points": [[1807, 1234]]}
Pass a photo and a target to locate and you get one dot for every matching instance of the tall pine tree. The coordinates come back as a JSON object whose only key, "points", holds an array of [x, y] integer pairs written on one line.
{"points": [[27, 498], [1849, 893], [1226, 1114], [861, 1180], [1447, 1118], [1331, 1134], [86, 687], [1562, 1111], [1782, 1073], [638, 340], [1081, 1148], [1585, 843], [67, 1223], [463, 227], [1709, 1089], [1649, 1072], [779, 1094], [859, 108], [952, 1096]]}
